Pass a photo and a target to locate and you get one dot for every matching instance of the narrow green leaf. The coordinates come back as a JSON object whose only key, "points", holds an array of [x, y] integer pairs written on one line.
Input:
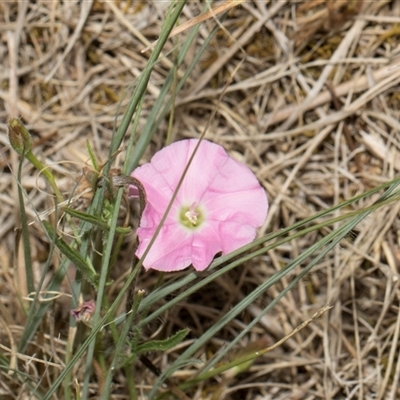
{"points": [[163, 345], [85, 268], [161, 108], [119, 349], [92, 219], [92, 156]]}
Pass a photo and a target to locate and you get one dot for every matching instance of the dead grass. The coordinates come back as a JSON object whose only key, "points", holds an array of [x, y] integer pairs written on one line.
{"points": [[67, 70]]}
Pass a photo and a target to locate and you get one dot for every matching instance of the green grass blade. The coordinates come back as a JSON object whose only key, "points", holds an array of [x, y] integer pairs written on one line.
{"points": [[73, 255], [120, 344], [158, 113], [172, 16], [162, 345]]}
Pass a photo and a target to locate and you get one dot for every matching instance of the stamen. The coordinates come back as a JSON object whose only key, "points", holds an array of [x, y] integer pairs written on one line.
{"points": [[192, 215]]}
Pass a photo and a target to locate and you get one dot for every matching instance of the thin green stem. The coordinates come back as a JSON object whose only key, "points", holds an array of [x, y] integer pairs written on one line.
{"points": [[44, 170], [120, 344], [25, 234]]}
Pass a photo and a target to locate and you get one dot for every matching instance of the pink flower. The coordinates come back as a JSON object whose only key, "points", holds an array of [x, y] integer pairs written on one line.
{"points": [[217, 209]]}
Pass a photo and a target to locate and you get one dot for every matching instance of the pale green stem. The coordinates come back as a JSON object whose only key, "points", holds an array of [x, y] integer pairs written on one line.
{"points": [[46, 173]]}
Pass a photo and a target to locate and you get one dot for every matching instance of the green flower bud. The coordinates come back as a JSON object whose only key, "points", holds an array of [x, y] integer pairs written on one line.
{"points": [[20, 138]]}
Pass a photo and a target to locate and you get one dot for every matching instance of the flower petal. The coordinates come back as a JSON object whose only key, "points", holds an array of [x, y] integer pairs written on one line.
{"points": [[175, 249], [246, 207], [171, 250]]}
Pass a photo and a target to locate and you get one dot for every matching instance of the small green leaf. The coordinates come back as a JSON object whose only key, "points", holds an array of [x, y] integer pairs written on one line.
{"points": [[163, 345], [80, 263], [94, 220], [92, 156]]}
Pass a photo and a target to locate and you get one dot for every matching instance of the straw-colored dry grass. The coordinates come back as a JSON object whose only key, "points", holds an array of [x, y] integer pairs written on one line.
{"points": [[68, 68]]}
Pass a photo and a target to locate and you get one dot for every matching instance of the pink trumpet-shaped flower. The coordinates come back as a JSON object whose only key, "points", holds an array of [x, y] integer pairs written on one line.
{"points": [[217, 209]]}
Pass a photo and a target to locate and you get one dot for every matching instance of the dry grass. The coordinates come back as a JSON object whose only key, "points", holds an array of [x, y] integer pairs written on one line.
{"points": [[67, 70]]}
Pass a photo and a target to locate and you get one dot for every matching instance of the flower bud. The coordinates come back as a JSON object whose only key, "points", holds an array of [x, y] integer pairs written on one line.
{"points": [[20, 138], [84, 312]]}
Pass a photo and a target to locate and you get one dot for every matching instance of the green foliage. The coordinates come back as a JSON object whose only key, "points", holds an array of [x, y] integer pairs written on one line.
{"points": [[94, 220], [73, 255], [162, 345], [92, 156]]}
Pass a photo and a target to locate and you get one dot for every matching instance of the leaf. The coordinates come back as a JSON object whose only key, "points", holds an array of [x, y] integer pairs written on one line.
{"points": [[163, 345], [91, 219], [83, 266], [92, 156]]}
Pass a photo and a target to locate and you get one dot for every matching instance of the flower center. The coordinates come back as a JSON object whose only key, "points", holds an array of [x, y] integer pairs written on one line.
{"points": [[191, 217]]}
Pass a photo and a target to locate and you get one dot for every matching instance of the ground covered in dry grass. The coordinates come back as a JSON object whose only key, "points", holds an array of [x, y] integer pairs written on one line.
{"points": [[306, 93]]}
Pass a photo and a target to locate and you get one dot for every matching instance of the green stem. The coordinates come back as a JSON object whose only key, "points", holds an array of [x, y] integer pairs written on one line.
{"points": [[46, 173]]}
